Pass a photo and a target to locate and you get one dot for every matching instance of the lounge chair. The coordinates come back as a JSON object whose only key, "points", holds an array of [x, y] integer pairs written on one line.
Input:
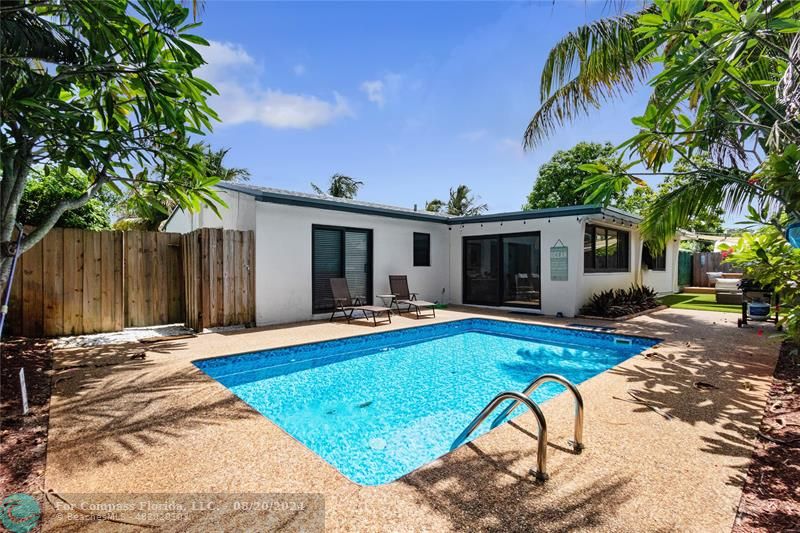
{"points": [[398, 285], [346, 305]]}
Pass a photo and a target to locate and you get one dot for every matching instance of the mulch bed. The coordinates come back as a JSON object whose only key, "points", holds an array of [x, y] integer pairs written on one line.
{"points": [[771, 496], [23, 439]]}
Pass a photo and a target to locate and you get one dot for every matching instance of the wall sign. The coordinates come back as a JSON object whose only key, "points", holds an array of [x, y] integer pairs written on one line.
{"points": [[559, 262]]}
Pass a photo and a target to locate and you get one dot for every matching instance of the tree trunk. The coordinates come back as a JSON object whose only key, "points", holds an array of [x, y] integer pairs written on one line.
{"points": [[17, 161], [5, 272]]}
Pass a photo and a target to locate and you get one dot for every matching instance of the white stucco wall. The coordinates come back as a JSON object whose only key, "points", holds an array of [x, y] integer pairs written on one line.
{"points": [[557, 296], [283, 257], [239, 214], [665, 281]]}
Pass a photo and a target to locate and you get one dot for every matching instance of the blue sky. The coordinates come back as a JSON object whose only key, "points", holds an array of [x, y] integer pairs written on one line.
{"points": [[411, 98]]}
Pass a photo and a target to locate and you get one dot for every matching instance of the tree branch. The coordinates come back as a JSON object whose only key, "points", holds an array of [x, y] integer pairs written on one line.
{"points": [[36, 235]]}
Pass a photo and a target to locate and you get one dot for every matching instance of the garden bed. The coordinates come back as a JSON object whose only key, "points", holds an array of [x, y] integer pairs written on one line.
{"points": [[23, 438], [771, 496]]}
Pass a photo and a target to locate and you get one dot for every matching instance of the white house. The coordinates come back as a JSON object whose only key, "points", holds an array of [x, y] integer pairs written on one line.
{"points": [[546, 261]]}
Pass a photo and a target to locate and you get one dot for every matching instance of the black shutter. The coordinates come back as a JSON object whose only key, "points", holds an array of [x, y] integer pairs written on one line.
{"points": [[326, 264]]}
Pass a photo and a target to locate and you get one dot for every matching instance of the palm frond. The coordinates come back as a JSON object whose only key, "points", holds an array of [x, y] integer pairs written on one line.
{"points": [[25, 35], [568, 101], [595, 62], [318, 190], [695, 198]]}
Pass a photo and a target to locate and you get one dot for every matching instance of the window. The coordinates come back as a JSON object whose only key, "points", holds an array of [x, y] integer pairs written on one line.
{"points": [[605, 249], [422, 249], [340, 253], [654, 260]]}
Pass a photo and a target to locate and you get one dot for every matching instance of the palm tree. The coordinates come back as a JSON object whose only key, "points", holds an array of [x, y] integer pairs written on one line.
{"points": [[462, 204], [459, 204], [214, 166], [147, 211], [592, 64], [434, 205], [341, 186]]}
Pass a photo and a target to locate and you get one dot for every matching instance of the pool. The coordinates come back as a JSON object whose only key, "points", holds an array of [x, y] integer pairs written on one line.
{"points": [[378, 406]]}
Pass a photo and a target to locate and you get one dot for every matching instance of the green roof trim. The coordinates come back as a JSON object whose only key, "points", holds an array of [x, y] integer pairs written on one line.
{"points": [[278, 196]]}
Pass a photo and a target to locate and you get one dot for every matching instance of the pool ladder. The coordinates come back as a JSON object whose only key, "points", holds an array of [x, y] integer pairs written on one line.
{"points": [[540, 473]]}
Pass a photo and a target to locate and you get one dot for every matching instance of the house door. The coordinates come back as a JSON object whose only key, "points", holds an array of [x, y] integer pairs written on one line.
{"points": [[503, 270], [482, 270], [340, 253]]}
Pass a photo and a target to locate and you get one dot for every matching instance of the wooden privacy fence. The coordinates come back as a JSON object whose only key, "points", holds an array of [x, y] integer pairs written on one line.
{"points": [[69, 283], [76, 281], [220, 277], [705, 262]]}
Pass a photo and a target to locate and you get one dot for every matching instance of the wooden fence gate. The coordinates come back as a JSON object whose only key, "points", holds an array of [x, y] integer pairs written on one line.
{"points": [[685, 268], [219, 266], [77, 281], [153, 278]]}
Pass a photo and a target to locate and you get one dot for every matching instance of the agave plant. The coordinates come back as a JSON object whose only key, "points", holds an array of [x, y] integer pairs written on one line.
{"points": [[614, 303]]}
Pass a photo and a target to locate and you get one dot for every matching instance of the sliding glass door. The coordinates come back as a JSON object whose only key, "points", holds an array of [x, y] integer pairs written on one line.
{"points": [[503, 270], [340, 253], [481, 270], [522, 284]]}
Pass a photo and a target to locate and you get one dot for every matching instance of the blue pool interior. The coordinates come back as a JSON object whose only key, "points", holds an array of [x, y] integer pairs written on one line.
{"points": [[378, 406]]}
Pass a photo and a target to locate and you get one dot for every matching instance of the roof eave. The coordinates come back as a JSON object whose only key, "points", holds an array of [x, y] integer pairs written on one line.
{"points": [[324, 203]]}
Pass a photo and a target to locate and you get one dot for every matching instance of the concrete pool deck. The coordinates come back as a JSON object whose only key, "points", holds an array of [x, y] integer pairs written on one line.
{"points": [[123, 424]]}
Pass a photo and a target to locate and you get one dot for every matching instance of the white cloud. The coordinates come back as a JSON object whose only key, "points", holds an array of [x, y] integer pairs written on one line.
{"points": [[242, 98], [379, 90], [299, 69], [511, 146], [222, 58], [473, 135], [277, 109], [374, 90]]}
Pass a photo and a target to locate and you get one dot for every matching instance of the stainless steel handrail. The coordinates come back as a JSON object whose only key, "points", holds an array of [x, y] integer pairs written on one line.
{"points": [[577, 443], [541, 454]]}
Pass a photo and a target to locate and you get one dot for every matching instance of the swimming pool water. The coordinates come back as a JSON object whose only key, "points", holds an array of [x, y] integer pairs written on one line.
{"points": [[379, 406]]}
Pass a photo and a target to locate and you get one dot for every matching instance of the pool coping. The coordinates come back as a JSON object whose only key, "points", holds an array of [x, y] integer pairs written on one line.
{"points": [[152, 425], [584, 331]]}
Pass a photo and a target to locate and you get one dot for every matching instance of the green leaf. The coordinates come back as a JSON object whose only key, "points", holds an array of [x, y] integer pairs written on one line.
{"points": [[194, 39]]}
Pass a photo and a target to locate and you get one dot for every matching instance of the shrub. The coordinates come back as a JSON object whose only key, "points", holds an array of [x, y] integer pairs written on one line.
{"points": [[615, 303], [767, 258]]}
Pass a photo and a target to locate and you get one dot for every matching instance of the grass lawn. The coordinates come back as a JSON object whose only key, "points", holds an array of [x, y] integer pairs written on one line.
{"points": [[700, 302]]}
